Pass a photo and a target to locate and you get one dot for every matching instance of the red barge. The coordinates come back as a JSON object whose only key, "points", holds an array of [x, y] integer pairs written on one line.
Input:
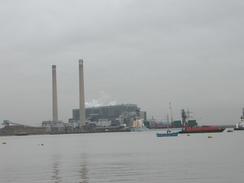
{"points": [[202, 129]]}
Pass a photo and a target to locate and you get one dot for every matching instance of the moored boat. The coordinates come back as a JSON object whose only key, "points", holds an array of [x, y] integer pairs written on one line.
{"points": [[168, 134], [230, 130], [21, 133], [240, 125], [238, 128], [202, 129]]}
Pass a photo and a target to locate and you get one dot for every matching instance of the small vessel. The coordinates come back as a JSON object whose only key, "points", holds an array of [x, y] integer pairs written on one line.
{"points": [[202, 129], [240, 125], [168, 134], [21, 133], [230, 130]]}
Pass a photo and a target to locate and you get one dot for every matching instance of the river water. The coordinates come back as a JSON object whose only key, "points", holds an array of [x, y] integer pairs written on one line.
{"points": [[123, 157]]}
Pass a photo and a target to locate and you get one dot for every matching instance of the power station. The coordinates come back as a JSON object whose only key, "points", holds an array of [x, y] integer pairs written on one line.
{"points": [[101, 118]]}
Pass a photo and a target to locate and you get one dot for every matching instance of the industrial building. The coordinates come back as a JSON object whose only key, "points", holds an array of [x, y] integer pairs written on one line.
{"points": [[115, 115]]}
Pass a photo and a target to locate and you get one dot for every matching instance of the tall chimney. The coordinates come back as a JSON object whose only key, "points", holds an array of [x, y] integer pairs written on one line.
{"points": [[82, 94], [55, 97]]}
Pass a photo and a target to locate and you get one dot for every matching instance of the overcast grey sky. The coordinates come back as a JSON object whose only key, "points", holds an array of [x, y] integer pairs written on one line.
{"points": [[189, 52]]}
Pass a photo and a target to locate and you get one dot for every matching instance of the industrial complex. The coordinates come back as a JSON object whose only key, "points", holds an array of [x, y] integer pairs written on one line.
{"points": [[112, 118]]}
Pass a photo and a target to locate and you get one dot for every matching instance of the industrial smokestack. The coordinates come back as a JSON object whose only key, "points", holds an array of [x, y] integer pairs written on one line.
{"points": [[55, 97], [82, 94]]}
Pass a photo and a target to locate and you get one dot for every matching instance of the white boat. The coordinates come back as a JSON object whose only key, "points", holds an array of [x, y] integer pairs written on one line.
{"points": [[240, 125]]}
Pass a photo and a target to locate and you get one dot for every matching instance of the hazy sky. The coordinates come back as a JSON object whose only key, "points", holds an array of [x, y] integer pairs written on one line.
{"points": [[135, 51]]}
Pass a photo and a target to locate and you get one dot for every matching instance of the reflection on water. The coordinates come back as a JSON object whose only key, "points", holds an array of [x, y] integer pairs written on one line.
{"points": [[56, 169], [60, 173], [83, 169]]}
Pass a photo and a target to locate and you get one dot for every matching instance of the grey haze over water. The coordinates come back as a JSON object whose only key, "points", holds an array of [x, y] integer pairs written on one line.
{"points": [[144, 52]]}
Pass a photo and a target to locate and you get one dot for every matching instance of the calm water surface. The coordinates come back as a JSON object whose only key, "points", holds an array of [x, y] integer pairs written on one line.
{"points": [[123, 157]]}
